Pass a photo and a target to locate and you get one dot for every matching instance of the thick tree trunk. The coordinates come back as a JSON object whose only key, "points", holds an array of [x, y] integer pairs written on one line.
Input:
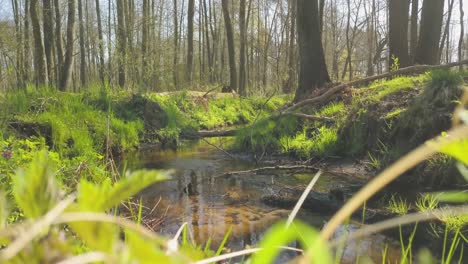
{"points": [[230, 43], [242, 53], [429, 33], [313, 70], [66, 72], [39, 58], [190, 14], [398, 33]]}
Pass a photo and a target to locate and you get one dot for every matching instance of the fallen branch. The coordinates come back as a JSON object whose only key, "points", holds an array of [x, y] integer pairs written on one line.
{"points": [[219, 148], [403, 71], [313, 117], [262, 169], [217, 133]]}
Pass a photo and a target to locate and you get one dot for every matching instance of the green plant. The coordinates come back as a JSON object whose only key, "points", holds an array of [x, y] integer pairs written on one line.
{"points": [[427, 202], [398, 205]]}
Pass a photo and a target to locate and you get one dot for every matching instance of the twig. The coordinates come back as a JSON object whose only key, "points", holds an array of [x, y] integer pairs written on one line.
{"points": [[219, 148], [293, 167]]}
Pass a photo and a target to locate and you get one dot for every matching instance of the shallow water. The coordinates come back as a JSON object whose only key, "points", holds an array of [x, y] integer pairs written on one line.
{"points": [[210, 204]]}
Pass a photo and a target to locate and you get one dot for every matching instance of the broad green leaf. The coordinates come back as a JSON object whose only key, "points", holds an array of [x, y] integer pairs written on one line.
{"points": [[457, 150], [315, 249], [103, 197], [453, 197], [35, 190], [147, 251]]}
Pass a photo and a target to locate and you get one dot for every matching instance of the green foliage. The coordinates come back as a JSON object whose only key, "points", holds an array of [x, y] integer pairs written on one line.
{"points": [[265, 135], [316, 250], [331, 109], [36, 190], [398, 205], [427, 202]]}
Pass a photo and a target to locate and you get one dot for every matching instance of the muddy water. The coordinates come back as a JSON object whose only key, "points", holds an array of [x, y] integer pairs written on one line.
{"points": [[211, 205]]}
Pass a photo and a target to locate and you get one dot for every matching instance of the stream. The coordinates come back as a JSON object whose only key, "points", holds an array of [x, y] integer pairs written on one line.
{"points": [[211, 205]]}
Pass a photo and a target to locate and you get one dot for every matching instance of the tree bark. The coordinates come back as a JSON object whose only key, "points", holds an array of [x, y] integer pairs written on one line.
{"points": [[313, 70], [39, 58], [398, 33], [429, 33], [66, 72], [230, 43]]}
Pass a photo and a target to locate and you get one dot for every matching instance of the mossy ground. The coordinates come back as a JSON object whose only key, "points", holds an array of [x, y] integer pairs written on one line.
{"points": [[378, 123]]}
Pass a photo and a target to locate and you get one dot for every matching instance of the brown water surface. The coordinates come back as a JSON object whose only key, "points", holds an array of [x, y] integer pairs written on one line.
{"points": [[211, 205]]}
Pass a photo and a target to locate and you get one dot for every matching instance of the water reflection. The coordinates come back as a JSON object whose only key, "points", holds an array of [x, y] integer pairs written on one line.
{"points": [[211, 205]]}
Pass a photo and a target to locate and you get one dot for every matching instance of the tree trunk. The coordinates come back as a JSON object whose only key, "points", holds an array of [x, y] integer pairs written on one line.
{"points": [[58, 41], [292, 59], [398, 33], [462, 34], [429, 33], [176, 47], [121, 42], [19, 51], [190, 14], [414, 29], [230, 43], [26, 46], [48, 37], [101, 42], [313, 70], [39, 58], [242, 53], [145, 43], [445, 36], [83, 76], [66, 72]]}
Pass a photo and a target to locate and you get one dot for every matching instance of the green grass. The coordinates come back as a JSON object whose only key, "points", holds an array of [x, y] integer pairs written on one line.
{"points": [[398, 205], [426, 202]]}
